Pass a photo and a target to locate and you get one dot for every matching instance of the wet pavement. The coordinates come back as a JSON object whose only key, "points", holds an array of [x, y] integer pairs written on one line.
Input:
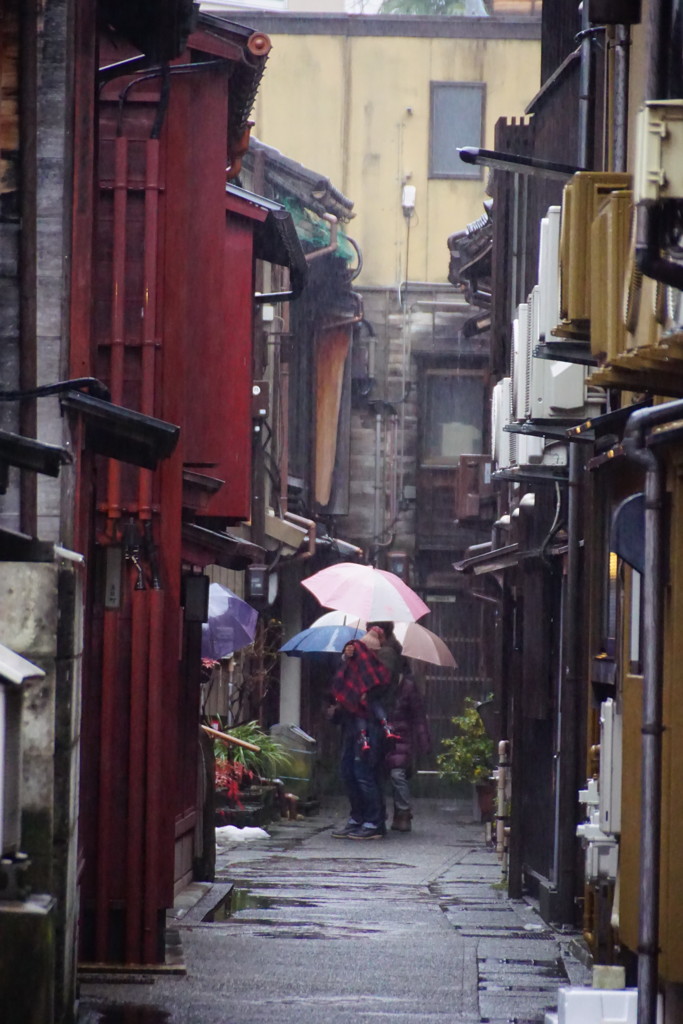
{"points": [[302, 928]]}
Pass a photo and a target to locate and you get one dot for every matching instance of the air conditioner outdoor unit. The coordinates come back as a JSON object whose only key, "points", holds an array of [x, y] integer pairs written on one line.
{"points": [[549, 273], [653, 312], [610, 252], [552, 388], [659, 151], [502, 443], [556, 389], [580, 204], [529, 449], [521, 355]]}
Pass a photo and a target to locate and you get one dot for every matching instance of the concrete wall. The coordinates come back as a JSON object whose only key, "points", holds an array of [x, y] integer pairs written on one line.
{"points": [[426, 321], [53, 220], [34, 239], [40, 613]]}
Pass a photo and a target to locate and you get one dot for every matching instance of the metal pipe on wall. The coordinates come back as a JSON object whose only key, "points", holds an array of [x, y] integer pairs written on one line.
{"points": [[657, 68], [651, 744], [502, 831], [650, 838], [157, 811], [149, 328], [586, 93], [118, 306], [622, 47], [571, 688], [377, 526], [136, 771]]}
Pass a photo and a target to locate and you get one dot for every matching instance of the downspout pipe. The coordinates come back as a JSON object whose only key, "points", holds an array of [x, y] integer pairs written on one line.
{"points": [[635, 447], [333, 243], [565, 880], [378, 489], [586, 93]]}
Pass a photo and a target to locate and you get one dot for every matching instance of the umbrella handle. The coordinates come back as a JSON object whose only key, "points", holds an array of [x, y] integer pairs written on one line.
{"points": [[230, 739]]}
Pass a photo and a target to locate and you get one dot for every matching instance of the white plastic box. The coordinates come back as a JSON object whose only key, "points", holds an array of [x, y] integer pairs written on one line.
{"points": [[600, 1006]]}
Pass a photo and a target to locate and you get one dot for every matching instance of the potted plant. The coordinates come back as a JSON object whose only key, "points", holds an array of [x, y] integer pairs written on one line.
{"points": [[468, 756], [245, 778]]}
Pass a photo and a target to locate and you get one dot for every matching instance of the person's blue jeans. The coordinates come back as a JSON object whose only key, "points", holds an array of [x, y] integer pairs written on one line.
{"points": [[400, 789], [361, 775]]}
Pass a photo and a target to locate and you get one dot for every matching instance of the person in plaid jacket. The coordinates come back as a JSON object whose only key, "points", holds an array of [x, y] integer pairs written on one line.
{"points": [[357, 692]]}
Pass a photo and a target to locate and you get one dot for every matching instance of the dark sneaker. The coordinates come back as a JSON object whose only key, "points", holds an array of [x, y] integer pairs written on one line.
{"points": [[362, 832], [344, 831]]}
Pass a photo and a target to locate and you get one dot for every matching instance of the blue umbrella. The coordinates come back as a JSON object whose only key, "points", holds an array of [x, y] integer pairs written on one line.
{"points": [[321, 640]]}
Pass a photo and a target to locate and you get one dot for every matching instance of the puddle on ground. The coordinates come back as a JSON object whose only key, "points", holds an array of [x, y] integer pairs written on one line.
{"points": [[244, 899], [128, 1014]]}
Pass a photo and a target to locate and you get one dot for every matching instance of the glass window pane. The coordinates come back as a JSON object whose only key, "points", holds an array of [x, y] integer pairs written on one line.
{"points": [[453, 417], [456, 121]]}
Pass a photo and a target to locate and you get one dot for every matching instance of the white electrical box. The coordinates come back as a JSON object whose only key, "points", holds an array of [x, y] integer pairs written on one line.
{"points": [[600, 1006], [549, 272], [521, 358], [610, 767], [501, 440], [601, 850]]}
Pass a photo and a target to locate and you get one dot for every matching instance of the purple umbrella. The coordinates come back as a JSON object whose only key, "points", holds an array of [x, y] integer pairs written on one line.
{"points": [[231, 624]]}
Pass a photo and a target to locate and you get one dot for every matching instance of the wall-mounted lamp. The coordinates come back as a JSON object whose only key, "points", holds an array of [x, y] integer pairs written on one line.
{"points": [[399, 564], [256, 584], [408, 200]]}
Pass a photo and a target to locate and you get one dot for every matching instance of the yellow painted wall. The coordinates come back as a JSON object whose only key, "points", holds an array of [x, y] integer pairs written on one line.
{"points": [[671, 902], [356, 108]]}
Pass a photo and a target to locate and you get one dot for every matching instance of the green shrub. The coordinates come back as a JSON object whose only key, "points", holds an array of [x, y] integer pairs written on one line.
{"points": [[467, 756]]}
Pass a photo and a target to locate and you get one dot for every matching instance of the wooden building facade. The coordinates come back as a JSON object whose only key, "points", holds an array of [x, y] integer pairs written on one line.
{"points": [[584, 559]]}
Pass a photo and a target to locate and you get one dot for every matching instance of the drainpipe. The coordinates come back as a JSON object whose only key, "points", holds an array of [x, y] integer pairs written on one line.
{"points": [[634, 444], [622, 45], [333, 243], [565, 879], [502, 829], [379, 491], [586, 93]]}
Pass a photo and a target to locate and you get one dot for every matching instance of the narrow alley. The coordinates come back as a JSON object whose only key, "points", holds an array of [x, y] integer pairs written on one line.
{"points": [[303, 928]]}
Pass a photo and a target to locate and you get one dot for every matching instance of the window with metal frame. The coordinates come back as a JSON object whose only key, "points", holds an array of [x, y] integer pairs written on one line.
{"points": [[456, 120], [452, 415]]}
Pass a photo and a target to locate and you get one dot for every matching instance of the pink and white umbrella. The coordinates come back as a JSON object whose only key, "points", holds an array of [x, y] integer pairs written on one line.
{"points": [[371, 594], [339, 619], [423, 645]]}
